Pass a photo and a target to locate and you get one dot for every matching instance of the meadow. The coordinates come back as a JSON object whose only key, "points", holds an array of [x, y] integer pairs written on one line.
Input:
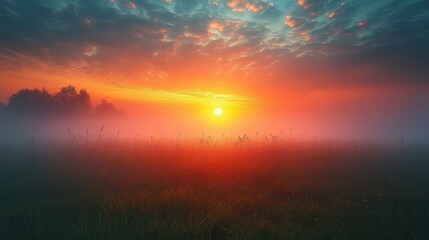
{"points": [[228, 187]]}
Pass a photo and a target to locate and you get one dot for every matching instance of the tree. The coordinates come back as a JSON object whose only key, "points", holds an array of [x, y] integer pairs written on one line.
{"points": [[106, 109], [72, 102], [35, 101], [84, 100], [66, 102]]}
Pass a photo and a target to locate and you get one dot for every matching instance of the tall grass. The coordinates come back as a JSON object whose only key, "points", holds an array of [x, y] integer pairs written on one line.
{"points": [[252, 186]]}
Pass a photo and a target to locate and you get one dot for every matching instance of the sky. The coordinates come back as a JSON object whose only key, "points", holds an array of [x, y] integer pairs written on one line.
{"points": [[334, 67]]}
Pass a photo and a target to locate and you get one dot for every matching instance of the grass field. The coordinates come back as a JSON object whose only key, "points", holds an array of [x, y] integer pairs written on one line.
{"points": [[204, 188]]}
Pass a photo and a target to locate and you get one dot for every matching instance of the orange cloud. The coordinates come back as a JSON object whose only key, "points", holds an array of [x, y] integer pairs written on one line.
{"points": [[292, 22], [242, 5], [234, 3], [303, 4], [216, 26], [226, 28], [362, 23], [330, 14], [253, 7], [132, 5], [307, 38]]}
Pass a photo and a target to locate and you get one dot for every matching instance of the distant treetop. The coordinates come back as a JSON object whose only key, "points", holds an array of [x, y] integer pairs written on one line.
{"points": [[68, 101]]}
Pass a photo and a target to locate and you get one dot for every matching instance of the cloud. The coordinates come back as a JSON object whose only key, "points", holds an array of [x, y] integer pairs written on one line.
{"points": [[293, 22], [148, 40]]}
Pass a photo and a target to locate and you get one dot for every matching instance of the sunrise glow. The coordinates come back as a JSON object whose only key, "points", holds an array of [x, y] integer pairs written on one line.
{"points": [[218, 111], [307, 65], [214, 119]]}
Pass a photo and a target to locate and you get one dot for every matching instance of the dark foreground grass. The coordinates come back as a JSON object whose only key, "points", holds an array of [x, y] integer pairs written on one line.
{"points": [[214, 190]]}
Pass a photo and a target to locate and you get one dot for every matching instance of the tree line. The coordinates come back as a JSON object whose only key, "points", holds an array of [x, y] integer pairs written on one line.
{"points": [[68, 101]]}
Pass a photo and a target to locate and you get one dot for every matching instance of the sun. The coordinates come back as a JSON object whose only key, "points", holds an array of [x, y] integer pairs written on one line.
{"points": [[218, 111]]}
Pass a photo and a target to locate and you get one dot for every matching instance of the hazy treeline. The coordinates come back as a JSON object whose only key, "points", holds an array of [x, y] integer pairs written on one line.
{"points": [[68, 101]]}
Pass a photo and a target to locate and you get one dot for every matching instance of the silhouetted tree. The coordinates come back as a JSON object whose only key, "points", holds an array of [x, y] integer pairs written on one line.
{"points": [[106, 109], [34, 102], [66, 102], [72, 102]]}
